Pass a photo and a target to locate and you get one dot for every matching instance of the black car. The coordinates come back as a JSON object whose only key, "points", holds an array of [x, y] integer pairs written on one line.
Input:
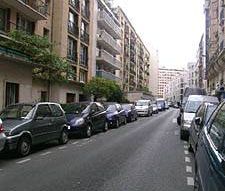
{"points": [[115, 114], [30, 124], [210, 154], [202, 116], [130, 111], [85, 118]]}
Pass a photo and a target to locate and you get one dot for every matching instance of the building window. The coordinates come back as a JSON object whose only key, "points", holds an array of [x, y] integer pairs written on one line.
{"points": [[3, 18], [70, 98], [84, 32], [44, 96], [12, 93], [84, 55], [45, 32], [72, 49], [83, 76], [73, 24], [75, 4], [85, 8], [25, 25]]}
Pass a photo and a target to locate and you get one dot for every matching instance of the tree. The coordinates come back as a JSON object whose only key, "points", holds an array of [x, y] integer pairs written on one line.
{"points": [[47, 65], [103, 88]]}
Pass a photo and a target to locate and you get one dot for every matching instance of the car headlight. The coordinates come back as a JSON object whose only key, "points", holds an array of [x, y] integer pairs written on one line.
{"points": [[79, 122]]}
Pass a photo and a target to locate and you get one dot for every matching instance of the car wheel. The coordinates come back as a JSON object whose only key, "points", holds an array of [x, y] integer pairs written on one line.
{"points": [[24, 146], [63, 137], [148, 115], [106, 127], [125, 121], [117, 123], [136, 118], [88, 131], [182, 137]]}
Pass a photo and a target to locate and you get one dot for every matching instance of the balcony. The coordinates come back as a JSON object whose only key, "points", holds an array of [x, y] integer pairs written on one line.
{"points": [[105, 21], [34, 10], [73, 29], [13, 54], [106, 58], [107, 75], [108, 42]]}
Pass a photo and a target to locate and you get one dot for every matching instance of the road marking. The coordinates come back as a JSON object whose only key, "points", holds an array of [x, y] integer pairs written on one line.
{"points": [[23, 161], [174, 120], [185, 147], [187, 159], [186, 152], [189, 169], [176, 132], [190, 181], [46, 153], [74, 143], [63, 147]]}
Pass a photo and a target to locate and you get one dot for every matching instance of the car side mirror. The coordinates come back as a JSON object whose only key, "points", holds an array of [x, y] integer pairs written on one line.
{"points": [[198, 120]]}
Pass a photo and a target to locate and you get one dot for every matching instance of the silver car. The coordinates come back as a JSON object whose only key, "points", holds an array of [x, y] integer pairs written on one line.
{"points": [[2, 136]]}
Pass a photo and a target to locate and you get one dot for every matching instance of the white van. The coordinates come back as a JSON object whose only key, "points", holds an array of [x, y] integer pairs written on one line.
{"points": [[144, 107], [189, 111]]}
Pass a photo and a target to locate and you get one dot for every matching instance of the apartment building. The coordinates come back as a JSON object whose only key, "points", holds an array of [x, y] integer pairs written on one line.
{"points": [[67, 25], [134, 56], [165, 76], [108, 62], [174, 90], [191, 68], [215, 33]]}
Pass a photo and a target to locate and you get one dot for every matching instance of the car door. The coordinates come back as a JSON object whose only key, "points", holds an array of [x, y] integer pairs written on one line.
{"points": [[42, 124], [95, 118], [121, 113], [102, 114], [58, 120], [209, 154]]}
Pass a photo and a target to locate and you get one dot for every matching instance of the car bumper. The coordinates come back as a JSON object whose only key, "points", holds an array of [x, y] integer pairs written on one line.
{"points": [[2, 141], [143, 112], [111, 123], [77, 129], [11, 142]]}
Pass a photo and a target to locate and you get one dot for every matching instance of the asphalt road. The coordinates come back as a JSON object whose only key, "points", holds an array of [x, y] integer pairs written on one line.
{"points": [[146, 155]]}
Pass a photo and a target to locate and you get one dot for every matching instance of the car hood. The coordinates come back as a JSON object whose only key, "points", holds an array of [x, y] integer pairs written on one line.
{"points": [[111, 114], [72, 118], [9, 124], [189, 116]]}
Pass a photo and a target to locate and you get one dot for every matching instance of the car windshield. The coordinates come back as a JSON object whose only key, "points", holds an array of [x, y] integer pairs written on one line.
{"points": [[77, 108], [17, 112], [192, 106], [111, 108], [126, 107], [142, 103]]}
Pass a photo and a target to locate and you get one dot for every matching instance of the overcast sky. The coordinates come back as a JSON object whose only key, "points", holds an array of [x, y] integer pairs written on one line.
{"points": [[173, 27]]}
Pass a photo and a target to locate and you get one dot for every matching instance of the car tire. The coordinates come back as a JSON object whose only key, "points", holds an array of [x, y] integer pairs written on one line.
{"points": [[24, 146], [125, 121], [136, 118], [63, 139], [190, 149], [182, 137], [148, 115], [117, 123], [88, 131], [106, 127]]}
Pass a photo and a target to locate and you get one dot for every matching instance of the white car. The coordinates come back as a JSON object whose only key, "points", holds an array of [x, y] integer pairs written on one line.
{"points": [[2, 136]]}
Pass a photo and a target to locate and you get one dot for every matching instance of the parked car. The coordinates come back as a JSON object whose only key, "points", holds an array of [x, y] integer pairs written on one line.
{"points": [[30, 124], [130, 111], [209, 157], [85, 118], [116, 115], [161, 103], [166, 105], [202, 116], [144, 107], [155, 108], [2, 136], [190, 109]]}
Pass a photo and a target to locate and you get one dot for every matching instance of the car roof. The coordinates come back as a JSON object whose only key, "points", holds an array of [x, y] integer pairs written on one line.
{"points": [[203, 98]]}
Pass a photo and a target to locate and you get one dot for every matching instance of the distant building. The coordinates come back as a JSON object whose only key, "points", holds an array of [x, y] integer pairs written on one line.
{"points": [[164, 77]]}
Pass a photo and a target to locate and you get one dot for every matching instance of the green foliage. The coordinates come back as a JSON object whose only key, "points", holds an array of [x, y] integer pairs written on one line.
{"points": [[47, 65], [102, 88]]}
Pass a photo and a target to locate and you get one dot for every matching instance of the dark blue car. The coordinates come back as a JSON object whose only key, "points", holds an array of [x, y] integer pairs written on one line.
{"points": [[130, 111], [210, 154], [115, 115], [85, 118]]}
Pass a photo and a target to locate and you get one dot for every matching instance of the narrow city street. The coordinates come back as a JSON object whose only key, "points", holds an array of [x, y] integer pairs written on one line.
{"points": [[146, 155]]}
